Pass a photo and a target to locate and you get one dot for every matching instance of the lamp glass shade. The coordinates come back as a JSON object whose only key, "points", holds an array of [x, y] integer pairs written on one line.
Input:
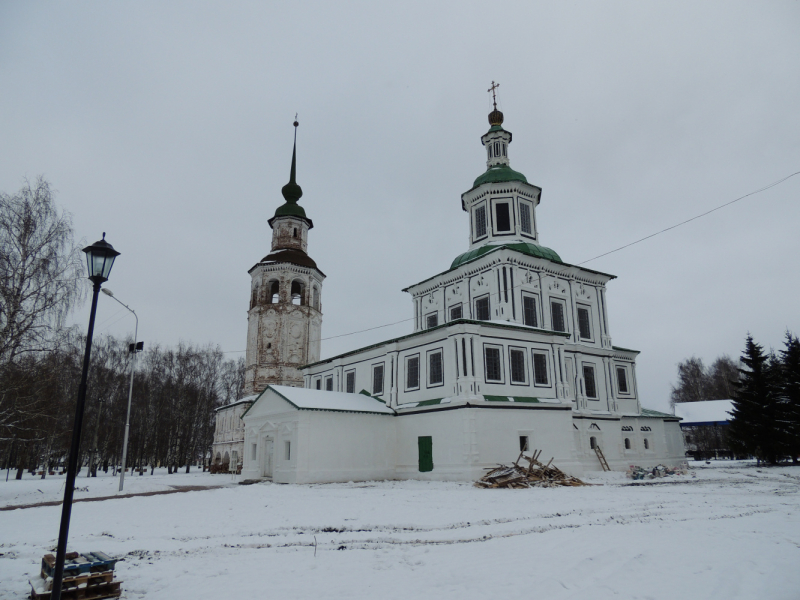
{"points": [[99, 259]]}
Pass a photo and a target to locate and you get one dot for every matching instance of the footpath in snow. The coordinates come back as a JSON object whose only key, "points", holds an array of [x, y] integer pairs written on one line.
{"points": [[730, 531]]}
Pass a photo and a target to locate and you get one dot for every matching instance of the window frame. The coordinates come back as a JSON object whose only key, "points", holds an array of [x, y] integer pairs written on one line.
{"points": [[592, 367], [347, 375], [488, 307], [382, 367], [534, 354], [499, 349], [460, 307], [432, 315], [329, 383], [429, 354], [535, 299], [476, 209], [525, 381], [588, 309], [529, 206], [563, 304], [318, 385], [626, 373], [407, 359], [511, 216]]}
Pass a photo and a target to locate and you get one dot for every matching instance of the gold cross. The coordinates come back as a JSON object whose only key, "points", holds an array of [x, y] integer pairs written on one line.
{"points": [[492, 89]]}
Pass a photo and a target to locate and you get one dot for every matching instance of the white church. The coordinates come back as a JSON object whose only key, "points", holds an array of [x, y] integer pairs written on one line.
{"points": [[511, 351]]}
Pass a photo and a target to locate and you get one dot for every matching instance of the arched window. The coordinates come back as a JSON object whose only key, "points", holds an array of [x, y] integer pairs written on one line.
{"points": [[218, 459], [226, 460], [646, 444], [627, 443], [274, 292], [592, 442], [298, 293]]}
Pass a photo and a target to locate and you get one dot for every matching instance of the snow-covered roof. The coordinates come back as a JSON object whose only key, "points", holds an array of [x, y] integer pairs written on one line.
{"points": [[244, 400], [707, 411], [304, 398]]}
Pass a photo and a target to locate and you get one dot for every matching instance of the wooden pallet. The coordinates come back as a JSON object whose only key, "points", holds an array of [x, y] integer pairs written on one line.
{"points": [[83, 591], [76, 563]]}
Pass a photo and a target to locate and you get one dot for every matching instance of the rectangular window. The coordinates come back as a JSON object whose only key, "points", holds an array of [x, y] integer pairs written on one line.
{"points": [[456, 313], [540, 368], [493, 368], [523, 443], [525, 217], [433, 320], [584, 328], [482, 309], [503, 221], [319, 383], [622, 380], [557, 316], [329, 383], [517, 358], [377, 380], [529, 311], [253, 451], [435, 374], [412, 373], [350, 382], [480, 222], [588, 379], [288, 448]]}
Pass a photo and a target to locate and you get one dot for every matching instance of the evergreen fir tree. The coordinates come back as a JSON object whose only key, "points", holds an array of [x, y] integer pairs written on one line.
{"points": [[789, 390], [755, 428]]}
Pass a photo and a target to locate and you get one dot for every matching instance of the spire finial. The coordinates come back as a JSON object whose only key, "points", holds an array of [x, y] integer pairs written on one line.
{"points": [[494, 97]]}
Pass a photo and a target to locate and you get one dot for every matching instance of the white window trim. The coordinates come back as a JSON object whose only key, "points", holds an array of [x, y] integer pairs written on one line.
{"points": [[434, 313], [475, 307], [596, 383], [537, 311], [511, 216], [546, 355], [450, 311], [346, 373], [428, 355], [487, 223], [405, 372], [625, 368], [383, 379], [588, 309], [511, 381], [499, 348], [529, 204], [563, 304]]}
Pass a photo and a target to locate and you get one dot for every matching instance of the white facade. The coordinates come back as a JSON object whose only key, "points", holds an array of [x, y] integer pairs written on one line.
{"points": [[228, 447], [511, 348]]}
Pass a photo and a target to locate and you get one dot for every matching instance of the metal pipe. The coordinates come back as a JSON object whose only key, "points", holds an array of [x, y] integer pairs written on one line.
{"points": [[130, 390]]}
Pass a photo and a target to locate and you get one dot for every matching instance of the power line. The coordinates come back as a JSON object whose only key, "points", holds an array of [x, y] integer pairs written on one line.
{"points": [[647, 237]]}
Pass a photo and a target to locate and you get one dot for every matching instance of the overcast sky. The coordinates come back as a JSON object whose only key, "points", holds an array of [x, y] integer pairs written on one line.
{"points": [[169, 126]]}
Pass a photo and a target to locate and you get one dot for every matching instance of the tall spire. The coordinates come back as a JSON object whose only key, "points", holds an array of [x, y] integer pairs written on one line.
{"points": [[291, 191]]}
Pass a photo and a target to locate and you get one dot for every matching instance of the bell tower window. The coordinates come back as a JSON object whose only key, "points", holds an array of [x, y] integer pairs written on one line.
{"points": [[503, 216], [525, 217], [298, 293], [480, 222], [274, 292]]}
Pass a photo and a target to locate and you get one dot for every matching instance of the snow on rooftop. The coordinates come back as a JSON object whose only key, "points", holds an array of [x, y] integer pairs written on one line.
{"points": [[707, 411], [250, 398], [324, 400]]}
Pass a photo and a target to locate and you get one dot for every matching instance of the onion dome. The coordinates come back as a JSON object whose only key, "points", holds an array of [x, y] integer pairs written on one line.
{"points": [[495, 117], [292, 192]]}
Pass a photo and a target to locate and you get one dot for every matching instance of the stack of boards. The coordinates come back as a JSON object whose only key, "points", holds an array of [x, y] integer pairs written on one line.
{"points": [[87, 576]]}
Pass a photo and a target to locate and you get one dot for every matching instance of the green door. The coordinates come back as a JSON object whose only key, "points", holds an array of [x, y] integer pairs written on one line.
{"points": [[425, 443]]}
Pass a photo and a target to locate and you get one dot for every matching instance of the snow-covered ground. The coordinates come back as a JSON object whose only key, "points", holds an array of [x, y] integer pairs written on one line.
{"points": [[731, 531]]}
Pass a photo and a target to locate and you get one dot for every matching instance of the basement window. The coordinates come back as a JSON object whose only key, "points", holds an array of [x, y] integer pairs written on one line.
{"points": [[627, 443]]}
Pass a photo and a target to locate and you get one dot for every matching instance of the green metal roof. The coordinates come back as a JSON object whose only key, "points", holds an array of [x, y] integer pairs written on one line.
{"points": [[499, 173], [524, 247], [654, 414], [526, 399], [290, 209]]}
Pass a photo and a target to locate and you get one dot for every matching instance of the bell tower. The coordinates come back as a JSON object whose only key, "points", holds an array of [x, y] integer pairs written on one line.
{"points": [[284, 323]]}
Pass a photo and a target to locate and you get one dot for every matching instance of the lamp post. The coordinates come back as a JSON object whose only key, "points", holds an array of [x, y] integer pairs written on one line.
{"points": [[134, 348], [99, 259]]}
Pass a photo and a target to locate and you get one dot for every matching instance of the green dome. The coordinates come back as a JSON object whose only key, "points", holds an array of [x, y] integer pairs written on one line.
{"points": [[524, 247], [499, 173], [290, 209]]}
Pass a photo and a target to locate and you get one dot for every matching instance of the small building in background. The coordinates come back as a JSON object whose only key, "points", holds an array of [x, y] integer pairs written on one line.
{"points": [[705, 428], [228, 448]]}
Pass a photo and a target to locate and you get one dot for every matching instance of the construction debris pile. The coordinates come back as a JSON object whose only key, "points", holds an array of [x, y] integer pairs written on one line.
{"points": [[635, 472], [87, 576], [535, 474]]}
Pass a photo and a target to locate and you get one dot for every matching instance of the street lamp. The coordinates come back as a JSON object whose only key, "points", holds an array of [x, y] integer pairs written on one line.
{"points": [[134, 348], [99, 260]]}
